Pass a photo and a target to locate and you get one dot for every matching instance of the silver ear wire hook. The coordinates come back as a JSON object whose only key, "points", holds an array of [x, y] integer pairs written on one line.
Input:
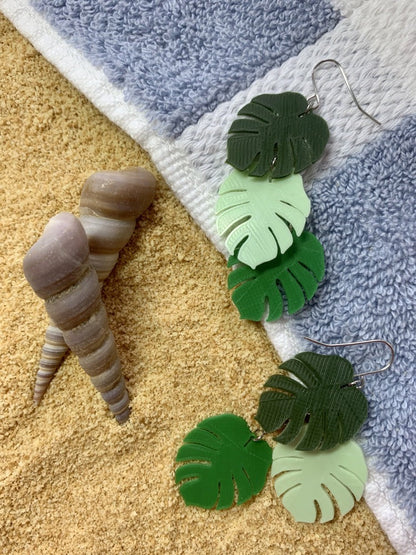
{"points": [[364, 342], [314, 100]]}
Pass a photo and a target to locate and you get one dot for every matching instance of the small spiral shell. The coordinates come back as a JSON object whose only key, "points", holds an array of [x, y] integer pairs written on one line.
{"points": [[111, 201], [58, 269]]}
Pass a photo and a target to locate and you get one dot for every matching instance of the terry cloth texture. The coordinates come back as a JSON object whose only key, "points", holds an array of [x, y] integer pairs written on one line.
{"points": [[179, 60], [357, 188], [364, 214]]}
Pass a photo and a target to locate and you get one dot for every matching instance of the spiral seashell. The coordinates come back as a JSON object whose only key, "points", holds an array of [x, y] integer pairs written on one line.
{"points": [[111, 201], [59, 271]]}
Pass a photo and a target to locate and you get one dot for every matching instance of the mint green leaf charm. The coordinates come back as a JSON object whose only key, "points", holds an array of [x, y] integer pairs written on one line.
{"points": [[276, 134], [335, 409], [255, 214], [294, 274], [222, 459], [305, 478]]}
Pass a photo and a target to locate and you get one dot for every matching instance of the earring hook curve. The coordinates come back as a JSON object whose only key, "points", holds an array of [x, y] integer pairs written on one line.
{"points": [[314, 100], [363, 342]]}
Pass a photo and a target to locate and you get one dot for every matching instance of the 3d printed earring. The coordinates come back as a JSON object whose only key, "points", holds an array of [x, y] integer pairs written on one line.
{"points": [[262, 206], [314, 416]]}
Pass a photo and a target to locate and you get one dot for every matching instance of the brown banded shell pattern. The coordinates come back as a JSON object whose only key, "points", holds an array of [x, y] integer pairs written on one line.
{"points": [[110, 203], [59, 271]]}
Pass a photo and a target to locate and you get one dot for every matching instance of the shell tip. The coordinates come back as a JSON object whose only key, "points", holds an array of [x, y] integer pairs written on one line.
{"points": [[123, 416]]}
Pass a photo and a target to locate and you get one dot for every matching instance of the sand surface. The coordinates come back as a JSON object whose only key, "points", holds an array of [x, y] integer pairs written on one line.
{"points": [[72, 480]]}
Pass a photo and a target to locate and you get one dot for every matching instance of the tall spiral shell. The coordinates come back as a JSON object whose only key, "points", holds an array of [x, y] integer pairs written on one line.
{"points": [[59, 271], [111, 201]]}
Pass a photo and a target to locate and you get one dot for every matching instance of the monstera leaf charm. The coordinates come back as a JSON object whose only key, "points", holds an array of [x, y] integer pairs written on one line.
{"points": [[278, 134], [221, 457], [296, 273], [335, 409], [305, 478], [255, 214]]}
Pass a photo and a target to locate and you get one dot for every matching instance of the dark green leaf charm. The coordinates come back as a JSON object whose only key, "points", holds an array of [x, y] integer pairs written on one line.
{"points": [[222, 458], [277, 134], [335, 409], [297, 273]]}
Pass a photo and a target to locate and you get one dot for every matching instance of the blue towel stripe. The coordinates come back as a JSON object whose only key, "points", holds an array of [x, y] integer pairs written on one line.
{"points": [[364, 215], [180, 59]]}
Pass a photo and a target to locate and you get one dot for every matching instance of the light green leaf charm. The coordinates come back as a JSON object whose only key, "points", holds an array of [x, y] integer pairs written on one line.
{"points": [[222, 458], [255, 215], [294, 274], [336, 410], [303, 479]]}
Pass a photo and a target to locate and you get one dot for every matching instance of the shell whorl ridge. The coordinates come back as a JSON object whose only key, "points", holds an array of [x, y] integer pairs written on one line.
{"points": [[58, 269], [110, 203], [53, 351]]}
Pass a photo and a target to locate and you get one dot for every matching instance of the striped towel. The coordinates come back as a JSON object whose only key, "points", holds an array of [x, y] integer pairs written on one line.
{"points": [[174, 73]]}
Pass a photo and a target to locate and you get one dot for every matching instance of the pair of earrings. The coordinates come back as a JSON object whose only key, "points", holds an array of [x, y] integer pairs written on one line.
{"points": [[261, 212], [262, 206], [315, 463]]}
